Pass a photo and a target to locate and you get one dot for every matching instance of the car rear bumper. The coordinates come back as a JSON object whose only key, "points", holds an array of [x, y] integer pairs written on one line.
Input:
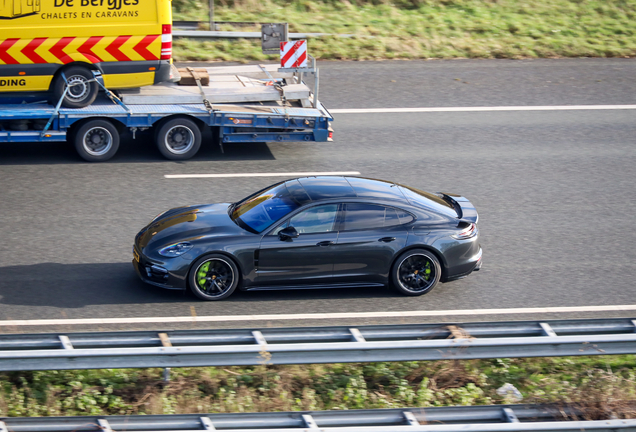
{"points": [[464, 269]]}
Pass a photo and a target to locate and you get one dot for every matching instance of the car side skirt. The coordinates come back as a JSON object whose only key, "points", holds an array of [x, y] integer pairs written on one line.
{"points": [[317, 286]]}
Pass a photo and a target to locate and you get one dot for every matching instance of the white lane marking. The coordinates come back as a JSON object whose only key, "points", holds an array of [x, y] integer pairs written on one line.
{"points": [[289, 174], [318, 316], [482, 109]]}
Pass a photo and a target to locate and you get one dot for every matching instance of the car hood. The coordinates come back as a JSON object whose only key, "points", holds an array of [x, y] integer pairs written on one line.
{"points": [[187, 224]]}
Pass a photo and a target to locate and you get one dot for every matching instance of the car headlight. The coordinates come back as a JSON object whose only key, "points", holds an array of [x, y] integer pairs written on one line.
{"points": [[175, 250]]}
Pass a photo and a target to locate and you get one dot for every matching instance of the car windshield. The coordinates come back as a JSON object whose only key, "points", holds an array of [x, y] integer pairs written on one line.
{"points": [[258, 212]]}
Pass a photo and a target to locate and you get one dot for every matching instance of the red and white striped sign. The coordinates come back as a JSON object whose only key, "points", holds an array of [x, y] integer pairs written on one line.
{"points": [[293, 54]]}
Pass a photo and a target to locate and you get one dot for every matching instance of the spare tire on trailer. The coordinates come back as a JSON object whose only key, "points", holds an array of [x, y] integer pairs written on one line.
{"points": [[96, 140], [82, 91], [178, 138]]}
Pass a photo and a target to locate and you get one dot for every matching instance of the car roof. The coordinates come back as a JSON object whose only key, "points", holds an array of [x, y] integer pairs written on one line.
{"points": [[330, 187]]}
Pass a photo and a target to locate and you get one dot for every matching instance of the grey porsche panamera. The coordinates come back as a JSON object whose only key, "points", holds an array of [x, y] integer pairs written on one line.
{"points": [[313, 232]]}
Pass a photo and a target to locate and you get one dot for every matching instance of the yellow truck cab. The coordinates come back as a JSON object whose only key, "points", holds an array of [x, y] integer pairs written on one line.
{"points": [[46, 45]]}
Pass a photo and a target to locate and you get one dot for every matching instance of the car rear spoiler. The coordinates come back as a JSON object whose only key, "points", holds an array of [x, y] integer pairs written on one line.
{"points": [[464, 208]]}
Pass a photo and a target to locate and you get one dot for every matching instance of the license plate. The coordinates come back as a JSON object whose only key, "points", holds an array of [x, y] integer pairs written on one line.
{"points": [[136, 255]]}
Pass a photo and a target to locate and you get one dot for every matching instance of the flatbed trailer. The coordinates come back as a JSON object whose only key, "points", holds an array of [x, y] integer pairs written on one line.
{"points": [[238, 105]]}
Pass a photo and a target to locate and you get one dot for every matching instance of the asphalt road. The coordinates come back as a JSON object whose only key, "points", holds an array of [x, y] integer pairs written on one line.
{"points": [[554, 189]]}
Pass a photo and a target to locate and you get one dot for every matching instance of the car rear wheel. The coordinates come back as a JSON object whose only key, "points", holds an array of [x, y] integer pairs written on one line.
{"points": [[214, 277], [416, 272], [82, 89]]}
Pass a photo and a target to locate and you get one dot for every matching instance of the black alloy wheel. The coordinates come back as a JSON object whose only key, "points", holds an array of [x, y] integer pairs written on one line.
{"points": [[82, 89], [416, 272], [178, 139], [213, 277], [96, 140]]}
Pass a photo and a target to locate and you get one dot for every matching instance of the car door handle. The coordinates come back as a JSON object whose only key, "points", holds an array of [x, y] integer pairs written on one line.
{"points": [[387, 239], [324, 243]]}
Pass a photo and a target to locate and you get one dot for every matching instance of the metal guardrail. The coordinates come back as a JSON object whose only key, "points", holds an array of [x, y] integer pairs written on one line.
{"points": [[206, 34], [304, 345], [190, 29], [492, 418], [194, 25]]}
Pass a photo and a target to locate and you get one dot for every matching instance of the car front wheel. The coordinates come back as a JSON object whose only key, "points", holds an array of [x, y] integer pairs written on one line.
{"points": [[214, 277], [416, 272]]}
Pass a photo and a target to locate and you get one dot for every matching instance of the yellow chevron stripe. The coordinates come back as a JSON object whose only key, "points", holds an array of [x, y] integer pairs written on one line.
{"points": [[14, 51], [127, 48], [155, 47], [71, 49], [100, 48], [43, 50]]}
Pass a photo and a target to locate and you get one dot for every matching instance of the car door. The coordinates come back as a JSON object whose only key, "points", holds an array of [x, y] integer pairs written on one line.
{"points": [[304, 260], [369, 237]]}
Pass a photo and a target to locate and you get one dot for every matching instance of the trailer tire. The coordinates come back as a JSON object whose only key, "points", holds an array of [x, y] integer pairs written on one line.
{"points": [[178, 139], [96, 140], [82, 94]]}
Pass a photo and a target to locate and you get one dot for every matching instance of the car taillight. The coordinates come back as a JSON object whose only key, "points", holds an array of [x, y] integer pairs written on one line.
{"points": [[468, 232], [166, 42]]}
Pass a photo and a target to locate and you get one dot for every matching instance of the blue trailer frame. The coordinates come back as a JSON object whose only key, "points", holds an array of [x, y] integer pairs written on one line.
{"points": [[282, 124]]}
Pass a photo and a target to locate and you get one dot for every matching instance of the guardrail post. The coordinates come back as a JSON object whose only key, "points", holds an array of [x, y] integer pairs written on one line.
{"points": [[310, 423], [207, 423], [66, 342], [410, 418], [259, 338], [211, 17], [547, 330], [165, 341], [357, 336], [104, 425], [510, 416]]}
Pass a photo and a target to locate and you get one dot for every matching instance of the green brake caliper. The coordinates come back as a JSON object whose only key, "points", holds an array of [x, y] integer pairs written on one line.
{"points": [[202, 274], [427, 270]]}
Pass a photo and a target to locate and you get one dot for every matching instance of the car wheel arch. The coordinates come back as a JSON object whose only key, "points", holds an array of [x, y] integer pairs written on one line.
{"points": [[225, 254], [435, 252]]}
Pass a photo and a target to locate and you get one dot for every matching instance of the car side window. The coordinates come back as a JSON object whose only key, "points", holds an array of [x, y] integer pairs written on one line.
{"points": [[391, 217], [319, 219], [404, 217], [369, 216]]}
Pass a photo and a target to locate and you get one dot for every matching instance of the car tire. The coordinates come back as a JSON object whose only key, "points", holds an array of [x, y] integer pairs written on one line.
{"points": [[96, 140], [178, 139], [407, 271], [210, 268], [80, 95]]}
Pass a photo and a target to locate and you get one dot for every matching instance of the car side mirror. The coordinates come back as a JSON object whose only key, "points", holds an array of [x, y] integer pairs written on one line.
{"points": [[288, 233]]}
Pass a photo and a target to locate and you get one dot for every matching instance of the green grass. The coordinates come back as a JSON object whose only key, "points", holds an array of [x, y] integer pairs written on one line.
{"points": [[421, 29], [604, 386]]}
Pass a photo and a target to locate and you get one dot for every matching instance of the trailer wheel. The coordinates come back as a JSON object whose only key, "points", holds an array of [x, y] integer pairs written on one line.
{"points": [[178, 139], [81, 92], [96, 140]]}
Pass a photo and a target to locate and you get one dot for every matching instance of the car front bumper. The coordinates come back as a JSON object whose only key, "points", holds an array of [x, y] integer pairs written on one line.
{"points": [[171, 275]]}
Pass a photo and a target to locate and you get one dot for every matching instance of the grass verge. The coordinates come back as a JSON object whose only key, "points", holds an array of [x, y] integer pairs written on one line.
{"points": [[423, 29], [605, 386]]}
